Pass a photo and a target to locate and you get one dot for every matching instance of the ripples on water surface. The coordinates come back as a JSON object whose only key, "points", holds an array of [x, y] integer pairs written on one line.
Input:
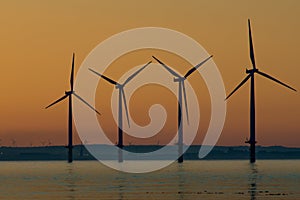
{"points": [[190, 180]]}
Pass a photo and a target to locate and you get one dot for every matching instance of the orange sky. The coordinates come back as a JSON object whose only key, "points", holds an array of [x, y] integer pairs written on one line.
{"points": [[38, 38]]}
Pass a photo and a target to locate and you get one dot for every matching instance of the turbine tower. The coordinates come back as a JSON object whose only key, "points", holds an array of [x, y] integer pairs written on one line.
{"points": [[122, 100], [251, 73], [181, 89], [69, 94]]}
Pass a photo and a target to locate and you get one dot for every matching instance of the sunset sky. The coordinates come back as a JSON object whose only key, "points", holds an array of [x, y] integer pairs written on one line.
{"points": [[39, 37]]}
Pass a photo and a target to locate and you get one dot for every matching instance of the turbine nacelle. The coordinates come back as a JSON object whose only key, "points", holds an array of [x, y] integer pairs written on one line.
{"points": [[68, 92], [179, 79], [119, 86], [251, 71]]}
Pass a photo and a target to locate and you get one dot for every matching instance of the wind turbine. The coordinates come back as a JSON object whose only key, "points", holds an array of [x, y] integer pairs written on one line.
{"points": [[181, 88], [69, 94], [251, 73], [122, 100]]}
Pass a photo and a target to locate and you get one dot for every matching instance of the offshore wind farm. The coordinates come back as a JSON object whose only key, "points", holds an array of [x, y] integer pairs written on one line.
{"points": [[148, 112]]}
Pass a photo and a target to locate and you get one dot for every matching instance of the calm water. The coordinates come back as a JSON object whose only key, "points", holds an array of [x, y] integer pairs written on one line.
{"points": [[190, 180]]}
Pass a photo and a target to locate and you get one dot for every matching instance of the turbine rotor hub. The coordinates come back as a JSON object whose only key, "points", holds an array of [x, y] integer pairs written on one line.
{"points": [[68, 92], [119, 86], [179, 79], [251, 71]]}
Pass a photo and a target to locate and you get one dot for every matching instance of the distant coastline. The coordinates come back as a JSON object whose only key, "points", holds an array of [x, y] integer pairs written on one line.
{"points": [[80, 152]]}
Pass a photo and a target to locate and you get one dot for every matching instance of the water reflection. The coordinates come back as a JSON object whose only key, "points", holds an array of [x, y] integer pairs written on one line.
{"points": [[253, 181], [70, 182], [190, 180], [120, 182], [181, 181]]}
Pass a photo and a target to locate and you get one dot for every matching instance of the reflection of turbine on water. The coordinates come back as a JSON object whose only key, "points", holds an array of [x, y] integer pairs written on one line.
{"points": [[70, 182], [121, 188], [181, 181], [252, 181]]}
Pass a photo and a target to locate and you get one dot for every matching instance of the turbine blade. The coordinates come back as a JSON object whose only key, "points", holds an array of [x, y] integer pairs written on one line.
{"points": [[185, 103], [104, 77], [167, 68], [136, 73], [242, 83], [58, 100], [196, 67], [72, 73], [86, 103], [125, 104], [251, 46], [274, 79]]}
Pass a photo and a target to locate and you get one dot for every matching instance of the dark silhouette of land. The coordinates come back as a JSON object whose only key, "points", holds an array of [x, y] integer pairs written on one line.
{"points": [[80, 152]]}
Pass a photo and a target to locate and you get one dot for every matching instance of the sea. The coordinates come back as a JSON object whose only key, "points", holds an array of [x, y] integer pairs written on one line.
{"points": [[237, 179]]}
